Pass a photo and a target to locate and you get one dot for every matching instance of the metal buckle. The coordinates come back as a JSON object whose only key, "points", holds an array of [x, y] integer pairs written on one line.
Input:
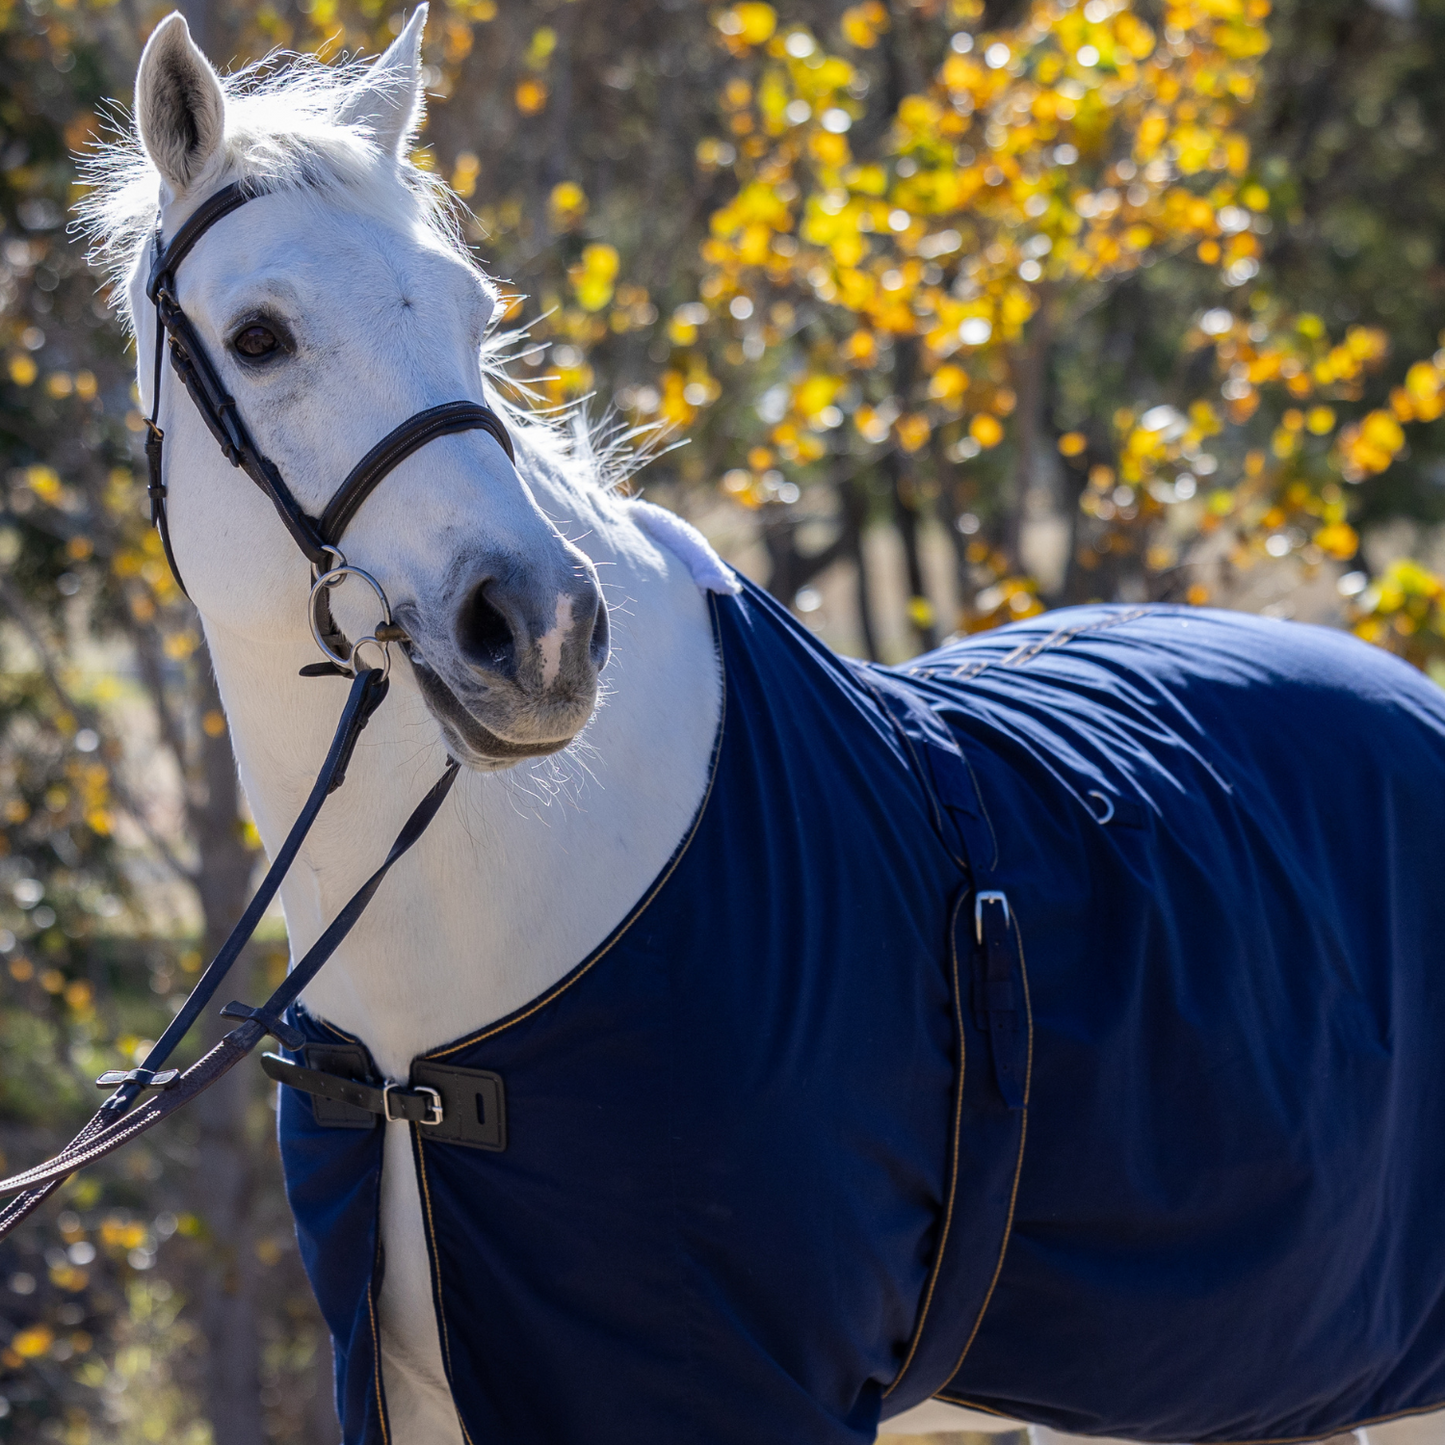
{"points": [[386, 627], [988, 897], [434, 1104]]}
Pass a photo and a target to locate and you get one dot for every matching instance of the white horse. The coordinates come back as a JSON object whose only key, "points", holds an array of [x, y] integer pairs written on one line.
{"points": [[379, 311], [337, 304]]}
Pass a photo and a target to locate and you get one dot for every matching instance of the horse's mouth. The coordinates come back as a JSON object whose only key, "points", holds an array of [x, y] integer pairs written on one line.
{"points": [[470, 741]]}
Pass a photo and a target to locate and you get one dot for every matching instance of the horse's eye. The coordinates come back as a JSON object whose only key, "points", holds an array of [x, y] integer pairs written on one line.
{"points": [[256, 341]]}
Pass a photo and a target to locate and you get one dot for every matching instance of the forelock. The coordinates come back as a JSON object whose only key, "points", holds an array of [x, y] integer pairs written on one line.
{"points": [[284, 133]]}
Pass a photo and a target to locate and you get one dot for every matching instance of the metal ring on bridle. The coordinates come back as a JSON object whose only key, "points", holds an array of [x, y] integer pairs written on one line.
{"points": [[375, 642], [335, 552], [323, 584], [1106, 813]]}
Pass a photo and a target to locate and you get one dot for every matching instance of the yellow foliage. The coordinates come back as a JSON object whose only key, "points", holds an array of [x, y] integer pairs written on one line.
{"points": [[541, 46], [986, 430], [747, 24], [45, 483], [1338, 540], [116, 1232], [1369, 446], [531, 96], [33, 1342], [592, 279], [914, 431], [948, 383], [464, 180], [862, 24], [567, 205]]}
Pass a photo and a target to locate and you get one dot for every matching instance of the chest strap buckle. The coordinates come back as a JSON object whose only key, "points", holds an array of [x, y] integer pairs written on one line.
{"points": [[434, 1111]]}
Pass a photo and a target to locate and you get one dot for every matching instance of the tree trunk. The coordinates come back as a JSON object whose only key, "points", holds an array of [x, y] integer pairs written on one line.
{"points": [[226, 1167], [906, 519], [1032, 376], [898, 467], [865, 604]]}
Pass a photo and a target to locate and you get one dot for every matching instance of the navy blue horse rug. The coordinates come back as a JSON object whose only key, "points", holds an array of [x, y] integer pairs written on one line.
{"points": [[1055, 1026]]}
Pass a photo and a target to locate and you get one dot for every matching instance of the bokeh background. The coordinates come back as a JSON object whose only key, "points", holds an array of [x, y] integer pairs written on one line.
{"points": [[948, 311]]}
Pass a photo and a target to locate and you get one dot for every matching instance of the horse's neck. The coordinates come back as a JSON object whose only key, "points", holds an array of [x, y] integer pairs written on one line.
{"points": [[523, 873]]}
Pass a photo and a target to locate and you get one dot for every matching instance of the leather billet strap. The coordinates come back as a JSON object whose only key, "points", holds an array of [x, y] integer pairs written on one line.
{"points": [[202, 380]]}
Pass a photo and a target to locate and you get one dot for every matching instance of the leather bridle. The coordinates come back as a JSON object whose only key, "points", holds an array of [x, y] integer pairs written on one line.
{"points": [[318, 538]]}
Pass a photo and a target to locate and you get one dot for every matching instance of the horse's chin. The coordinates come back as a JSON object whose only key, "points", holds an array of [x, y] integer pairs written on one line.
{"points": [[469, 740]]}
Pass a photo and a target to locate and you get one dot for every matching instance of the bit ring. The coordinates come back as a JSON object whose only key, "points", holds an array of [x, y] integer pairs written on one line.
{"points": [[334, 578]]}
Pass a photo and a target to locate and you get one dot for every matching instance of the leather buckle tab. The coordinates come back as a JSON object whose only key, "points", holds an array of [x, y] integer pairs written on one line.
{"points": [[146, 1078]]}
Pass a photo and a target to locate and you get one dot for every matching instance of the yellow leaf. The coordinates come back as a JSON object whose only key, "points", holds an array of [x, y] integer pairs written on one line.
{"points": [[816, 393], [30, 1344], [1382, 430], [914, 430], [748, 24], [567, 204], [986, 430], [531, 96], [862, 24], [920, 612], [948, 383], [1073, 443], [1339, 540]]}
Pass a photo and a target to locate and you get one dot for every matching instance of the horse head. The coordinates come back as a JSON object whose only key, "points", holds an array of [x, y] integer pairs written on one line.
{"points": [[335, 305]]}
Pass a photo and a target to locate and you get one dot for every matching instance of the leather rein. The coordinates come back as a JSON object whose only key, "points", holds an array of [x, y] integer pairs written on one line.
{"points": [[118, 1121]]}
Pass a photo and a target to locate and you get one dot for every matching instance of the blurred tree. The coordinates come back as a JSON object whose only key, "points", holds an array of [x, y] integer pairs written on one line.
{"points": [[936, 288]]}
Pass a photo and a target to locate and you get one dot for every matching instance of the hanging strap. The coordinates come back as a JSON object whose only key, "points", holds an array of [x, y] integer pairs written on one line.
{"points": [[115, 1124]]}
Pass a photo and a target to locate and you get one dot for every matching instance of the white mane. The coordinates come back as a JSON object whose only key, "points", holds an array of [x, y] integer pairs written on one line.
{"points": [[283, 131]]}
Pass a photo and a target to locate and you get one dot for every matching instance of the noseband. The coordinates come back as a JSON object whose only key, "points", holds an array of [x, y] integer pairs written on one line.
{"points": [[318, 538], [119, 1120]]}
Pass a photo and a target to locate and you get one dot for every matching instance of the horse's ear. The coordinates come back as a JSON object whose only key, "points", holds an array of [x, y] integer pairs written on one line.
{"points": [[389, 102], [180, 109]]}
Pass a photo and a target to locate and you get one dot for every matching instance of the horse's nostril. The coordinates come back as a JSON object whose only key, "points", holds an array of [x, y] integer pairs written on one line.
{"points": [[598, 646], [485, 635]]}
